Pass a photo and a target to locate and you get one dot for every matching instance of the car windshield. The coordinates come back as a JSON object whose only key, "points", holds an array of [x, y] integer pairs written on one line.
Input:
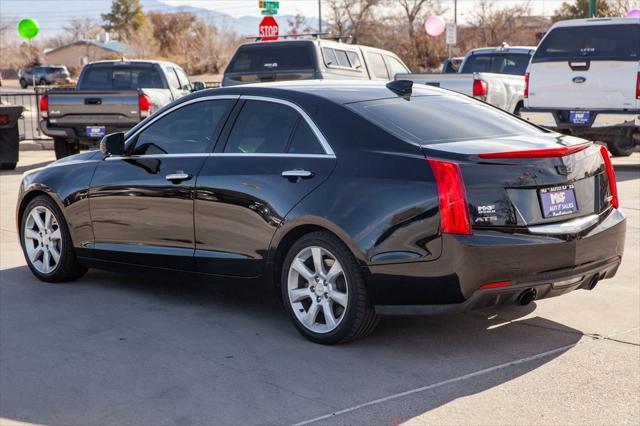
{"points": [[271, 58], [120, 77], [500, 63], [604, 42], [434, 119]]}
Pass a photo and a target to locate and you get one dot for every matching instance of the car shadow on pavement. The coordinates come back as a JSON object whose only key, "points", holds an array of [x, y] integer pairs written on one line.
{"points": [[143, 349]]}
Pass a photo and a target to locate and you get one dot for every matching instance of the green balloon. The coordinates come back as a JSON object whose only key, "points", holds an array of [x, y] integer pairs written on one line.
{"points": [[28, 28]]}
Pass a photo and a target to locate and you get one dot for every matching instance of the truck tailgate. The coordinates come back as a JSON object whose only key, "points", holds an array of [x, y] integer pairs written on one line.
{"points": [[119, 108]]}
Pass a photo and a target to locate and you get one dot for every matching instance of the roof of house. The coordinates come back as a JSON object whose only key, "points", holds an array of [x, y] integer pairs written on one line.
{"points": [[114, 46]]}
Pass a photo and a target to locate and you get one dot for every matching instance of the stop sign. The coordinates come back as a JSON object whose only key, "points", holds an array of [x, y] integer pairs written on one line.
{"points": [[268, 29]]}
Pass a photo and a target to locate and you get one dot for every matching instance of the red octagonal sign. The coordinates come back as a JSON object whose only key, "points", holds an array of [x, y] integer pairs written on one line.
{"points": [[268, 29]]}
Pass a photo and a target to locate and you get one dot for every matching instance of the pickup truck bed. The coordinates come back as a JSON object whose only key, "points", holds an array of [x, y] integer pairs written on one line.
{"points": [[501, 90]]}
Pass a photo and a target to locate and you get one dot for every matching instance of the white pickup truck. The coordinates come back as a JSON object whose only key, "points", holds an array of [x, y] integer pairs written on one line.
{"points": [[584, 80], [492, 74]]}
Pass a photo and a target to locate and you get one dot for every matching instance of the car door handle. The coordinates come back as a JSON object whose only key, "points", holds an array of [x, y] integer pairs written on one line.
{"points": [[178, 177], [297, 174]]}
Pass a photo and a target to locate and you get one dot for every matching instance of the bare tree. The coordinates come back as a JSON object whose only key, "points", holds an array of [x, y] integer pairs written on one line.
{"points": [[81, 29], [353, 17], [298, 25], [494, 25]]}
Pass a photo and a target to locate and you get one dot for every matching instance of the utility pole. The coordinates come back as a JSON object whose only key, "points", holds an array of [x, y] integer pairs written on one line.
{"points": [[320, 16], [593, 8], [455, 20]]}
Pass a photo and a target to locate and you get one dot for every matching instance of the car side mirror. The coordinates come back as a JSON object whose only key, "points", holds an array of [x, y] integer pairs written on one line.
{"points": [[112, 144], [198, 85]]}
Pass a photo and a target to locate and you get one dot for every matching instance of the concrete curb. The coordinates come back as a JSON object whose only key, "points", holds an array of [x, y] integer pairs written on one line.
{"points": [[40, 145]]}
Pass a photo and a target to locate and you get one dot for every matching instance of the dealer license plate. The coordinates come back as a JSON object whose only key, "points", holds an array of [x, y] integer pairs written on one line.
{"points": [[558, 201]]}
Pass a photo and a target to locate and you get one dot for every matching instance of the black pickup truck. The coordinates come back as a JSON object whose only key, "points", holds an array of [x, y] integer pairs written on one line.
{"points": [[110, 96]]}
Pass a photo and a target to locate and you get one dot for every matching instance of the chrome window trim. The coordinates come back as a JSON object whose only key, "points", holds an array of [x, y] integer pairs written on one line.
{"points": [[329, 153], [216, 154], [316, 131]]}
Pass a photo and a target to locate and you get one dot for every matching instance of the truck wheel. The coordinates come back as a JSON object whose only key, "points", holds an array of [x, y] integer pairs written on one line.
{"points": [[7, 166], [621, 147], [65, 148], [23, 83]]}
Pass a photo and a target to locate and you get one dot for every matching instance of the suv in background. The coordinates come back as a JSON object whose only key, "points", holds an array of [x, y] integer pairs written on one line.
{"points": [[584, 80], [310, 59], [505, 59], [45, 75]]}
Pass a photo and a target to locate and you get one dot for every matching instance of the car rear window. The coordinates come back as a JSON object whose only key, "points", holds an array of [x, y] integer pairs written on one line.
{"points": [[434, 119], [271, 57], [120, 77], [502, 63], [599, 42]]}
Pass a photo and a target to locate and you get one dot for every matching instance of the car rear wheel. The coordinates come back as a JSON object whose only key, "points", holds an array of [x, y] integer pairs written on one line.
{"points": [[65, 148], [42, 82], [324, 291], [46, 242]]}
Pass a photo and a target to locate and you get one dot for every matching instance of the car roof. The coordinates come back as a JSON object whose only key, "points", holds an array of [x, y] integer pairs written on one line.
{"points": [[337, 91], [500, 49], [322, 42], [596, 21]]}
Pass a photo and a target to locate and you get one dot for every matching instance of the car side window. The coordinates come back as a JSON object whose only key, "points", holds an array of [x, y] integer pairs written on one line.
{"points": [[187, 130], [354, 58], [304, 141], [172, 78], [329, 56], [377, 66], [262, 127], [342, 58], [396, 66]]}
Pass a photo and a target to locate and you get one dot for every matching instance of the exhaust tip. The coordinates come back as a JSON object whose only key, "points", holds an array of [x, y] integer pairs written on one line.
{"points": [[527, 296], [594, 281]]}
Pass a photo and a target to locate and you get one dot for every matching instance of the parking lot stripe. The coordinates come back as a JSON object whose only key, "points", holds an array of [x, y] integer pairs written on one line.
{"points": [[461, 378]]}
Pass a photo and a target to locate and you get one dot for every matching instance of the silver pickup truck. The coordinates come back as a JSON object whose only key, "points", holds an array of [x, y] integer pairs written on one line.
{"points": [[110, 96], [492, 74]]}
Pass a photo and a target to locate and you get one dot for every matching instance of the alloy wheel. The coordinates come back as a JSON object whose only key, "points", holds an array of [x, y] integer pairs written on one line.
{"points": [[43, 239], [317, 289]]}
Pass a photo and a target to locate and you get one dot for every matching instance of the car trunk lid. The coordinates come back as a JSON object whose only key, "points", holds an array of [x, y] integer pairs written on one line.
{"points": [[523, 181]]}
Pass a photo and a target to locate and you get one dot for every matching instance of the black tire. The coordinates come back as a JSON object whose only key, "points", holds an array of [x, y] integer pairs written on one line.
{"points": [[68, 268], [23, 83], [8, 166], [359, 317], [65, 148], [518, 109], [621, 147], [42, 82]]}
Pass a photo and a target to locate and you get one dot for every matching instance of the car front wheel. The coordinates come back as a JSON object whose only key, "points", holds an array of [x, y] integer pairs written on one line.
{"points": [[23, 83], [324, 291], [46, 242]]}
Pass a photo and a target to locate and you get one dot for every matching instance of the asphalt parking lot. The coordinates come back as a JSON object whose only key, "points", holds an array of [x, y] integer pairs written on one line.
{"points": [[141, 350]]}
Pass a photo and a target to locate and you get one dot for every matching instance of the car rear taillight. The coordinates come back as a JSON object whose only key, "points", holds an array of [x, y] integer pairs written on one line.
{"points": [[611, 175], [4, 119], [144, 105], [526, 86], [538, 153], [452, 198], [480, 88], [44, 106], [638, 86]]}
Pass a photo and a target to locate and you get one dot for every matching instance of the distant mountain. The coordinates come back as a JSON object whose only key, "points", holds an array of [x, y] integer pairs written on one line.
{"points": [[54, 15]]}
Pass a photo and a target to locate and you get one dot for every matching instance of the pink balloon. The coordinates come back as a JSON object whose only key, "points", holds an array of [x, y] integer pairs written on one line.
{"points": [[633, 13], [434, 25]]}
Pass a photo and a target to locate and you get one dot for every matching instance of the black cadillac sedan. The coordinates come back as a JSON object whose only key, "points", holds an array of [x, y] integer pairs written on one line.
{"points": [[355, 199]]}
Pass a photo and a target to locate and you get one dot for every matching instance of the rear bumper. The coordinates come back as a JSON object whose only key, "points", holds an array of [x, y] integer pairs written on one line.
{"points": [[606, 121], [551, 264], [72, 133]]}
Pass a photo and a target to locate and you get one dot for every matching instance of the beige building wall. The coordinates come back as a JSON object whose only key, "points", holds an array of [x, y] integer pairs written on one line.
{"points": [[72, 56]]}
